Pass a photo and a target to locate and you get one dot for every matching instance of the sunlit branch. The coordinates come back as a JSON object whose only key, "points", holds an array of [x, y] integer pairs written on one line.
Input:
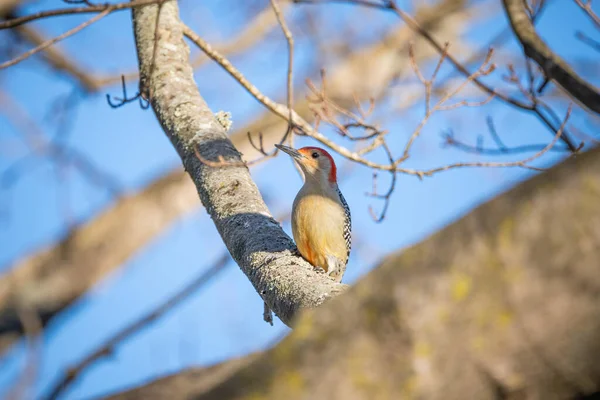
{"points": [[308, 130]]}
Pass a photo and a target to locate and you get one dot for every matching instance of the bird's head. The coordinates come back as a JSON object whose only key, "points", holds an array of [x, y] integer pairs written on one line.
{"points": [[315, 162]]}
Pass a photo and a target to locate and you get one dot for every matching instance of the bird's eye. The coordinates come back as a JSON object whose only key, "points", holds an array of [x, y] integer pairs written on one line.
{"points": [[315, 155]]}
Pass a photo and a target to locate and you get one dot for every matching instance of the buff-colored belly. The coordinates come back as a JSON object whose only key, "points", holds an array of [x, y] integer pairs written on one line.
{"points": [[317, 226]]}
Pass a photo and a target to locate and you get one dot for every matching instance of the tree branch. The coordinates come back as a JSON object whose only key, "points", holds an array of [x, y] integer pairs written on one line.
{"points": [[51, 279], [587, 8], [254, 239], [394, 166], [554, 67], [421, 29], [54, 40], [11, 23]]}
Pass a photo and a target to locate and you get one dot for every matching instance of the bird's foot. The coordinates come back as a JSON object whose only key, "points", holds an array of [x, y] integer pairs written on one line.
{"points": [[319, 270], [296, 252], [332, 266]]}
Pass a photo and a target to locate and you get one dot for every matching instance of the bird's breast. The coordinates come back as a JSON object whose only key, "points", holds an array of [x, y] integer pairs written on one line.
{"points": [[318, 229]]}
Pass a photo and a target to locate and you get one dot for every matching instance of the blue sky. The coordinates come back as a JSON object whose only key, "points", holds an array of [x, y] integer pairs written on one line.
{"points": [[224, 319]]}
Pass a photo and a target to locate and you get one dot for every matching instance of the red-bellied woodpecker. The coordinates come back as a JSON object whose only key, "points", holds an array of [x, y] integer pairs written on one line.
{"points": [[321, 222]]}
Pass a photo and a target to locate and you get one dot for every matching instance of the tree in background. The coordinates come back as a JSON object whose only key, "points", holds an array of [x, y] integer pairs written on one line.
{"points": [[467, 313]]}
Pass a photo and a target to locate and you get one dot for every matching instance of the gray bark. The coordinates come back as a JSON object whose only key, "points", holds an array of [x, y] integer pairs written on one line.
{"points": [[254, 239]]}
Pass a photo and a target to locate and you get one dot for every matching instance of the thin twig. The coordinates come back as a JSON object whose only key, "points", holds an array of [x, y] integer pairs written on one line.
{"points": [[387, 196], [322, 106], [450, 140], [290, 74], [117, 102], [523, 163], [390, 5], [50, 42], [11, 23], [282, 111], [484, 69], [288, 135], [587, 8]]}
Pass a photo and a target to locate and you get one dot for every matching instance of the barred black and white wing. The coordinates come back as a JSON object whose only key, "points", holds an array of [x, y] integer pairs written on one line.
{"points": [[347, 225]]}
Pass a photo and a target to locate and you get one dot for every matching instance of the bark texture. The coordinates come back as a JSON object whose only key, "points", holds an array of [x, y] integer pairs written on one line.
{"points": [[254, 239], [135, 220], [504, 303], [554, 67]]}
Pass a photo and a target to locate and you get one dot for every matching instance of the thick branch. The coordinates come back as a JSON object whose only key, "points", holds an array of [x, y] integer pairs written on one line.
{"points": [[554, 67], [135, 220], [501, 304], [254, 239]]}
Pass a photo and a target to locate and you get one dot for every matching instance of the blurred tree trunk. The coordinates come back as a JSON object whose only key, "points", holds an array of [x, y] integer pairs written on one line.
{"points": [[504, 303]]}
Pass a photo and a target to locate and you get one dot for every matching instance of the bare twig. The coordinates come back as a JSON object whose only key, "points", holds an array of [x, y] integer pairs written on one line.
{"points": [[260, 25], [50, 42], [117, 102], [555, 68], [308, 130], [523, 163], [290, 77], [390, 5], [587, 8], [86, 2], [451, 141], [59, 60], [540, 108], [485, 69], [388, 195], [75, 10], [324, 108]]}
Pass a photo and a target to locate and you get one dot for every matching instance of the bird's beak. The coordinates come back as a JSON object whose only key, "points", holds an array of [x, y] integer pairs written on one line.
{"points": [[295, 154]]}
